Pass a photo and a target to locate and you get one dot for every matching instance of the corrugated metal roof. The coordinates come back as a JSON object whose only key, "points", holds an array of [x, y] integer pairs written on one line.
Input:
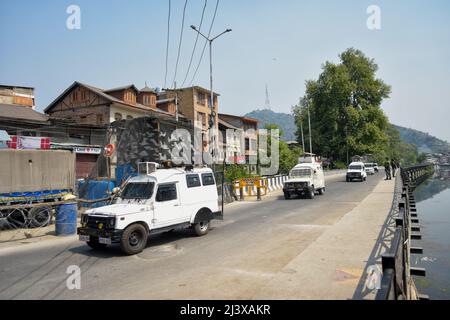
{"points": [[21, 112]]}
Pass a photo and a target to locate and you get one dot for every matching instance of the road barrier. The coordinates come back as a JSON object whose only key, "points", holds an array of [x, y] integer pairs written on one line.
{"points": [[397, 282]]}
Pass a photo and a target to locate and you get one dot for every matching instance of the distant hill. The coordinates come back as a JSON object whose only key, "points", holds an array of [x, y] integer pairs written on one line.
{"points": [[424, 141], [285, 122]]}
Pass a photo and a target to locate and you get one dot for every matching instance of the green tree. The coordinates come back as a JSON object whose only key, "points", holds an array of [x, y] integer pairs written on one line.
{"points": [[344, 103]]}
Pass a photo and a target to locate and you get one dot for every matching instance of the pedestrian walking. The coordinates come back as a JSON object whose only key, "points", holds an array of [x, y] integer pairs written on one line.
{"points": [[387, 169]]}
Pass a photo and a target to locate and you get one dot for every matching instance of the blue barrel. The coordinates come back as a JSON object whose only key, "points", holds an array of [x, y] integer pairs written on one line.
{"points": [[66, 219]]}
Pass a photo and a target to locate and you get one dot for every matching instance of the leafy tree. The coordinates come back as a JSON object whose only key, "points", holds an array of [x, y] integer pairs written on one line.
{"points": [[344, 103]]}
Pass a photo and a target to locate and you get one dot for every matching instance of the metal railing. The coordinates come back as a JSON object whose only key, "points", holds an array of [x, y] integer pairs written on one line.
{"points": [[397, 282]]}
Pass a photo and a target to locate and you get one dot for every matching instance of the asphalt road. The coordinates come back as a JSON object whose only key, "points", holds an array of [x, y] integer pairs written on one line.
{"points": [[238, 256]]}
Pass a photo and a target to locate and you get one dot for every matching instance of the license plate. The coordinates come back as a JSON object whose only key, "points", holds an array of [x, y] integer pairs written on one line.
{"points": [[104, 240], [84, 238]]}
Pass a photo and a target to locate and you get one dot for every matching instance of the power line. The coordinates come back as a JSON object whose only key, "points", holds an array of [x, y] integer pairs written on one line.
{"points": [[195, 44], [179, 44], [167, 44], [206, 42]]}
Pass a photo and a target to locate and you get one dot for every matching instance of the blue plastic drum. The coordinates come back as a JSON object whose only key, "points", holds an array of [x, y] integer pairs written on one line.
{"points": [[66, 219]]}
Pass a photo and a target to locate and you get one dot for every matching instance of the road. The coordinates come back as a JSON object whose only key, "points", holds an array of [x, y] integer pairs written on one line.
{"points": [[234, 261]]}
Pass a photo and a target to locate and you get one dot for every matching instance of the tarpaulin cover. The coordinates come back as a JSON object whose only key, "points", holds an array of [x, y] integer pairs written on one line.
{"points": [[36, 170]]}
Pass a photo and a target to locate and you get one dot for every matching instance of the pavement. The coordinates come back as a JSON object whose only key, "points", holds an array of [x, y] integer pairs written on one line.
{"points": [[275, 249]]}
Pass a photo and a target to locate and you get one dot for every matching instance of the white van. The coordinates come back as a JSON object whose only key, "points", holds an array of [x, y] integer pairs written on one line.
{"points": [[159, 201], [356, 171], [305, 179]]}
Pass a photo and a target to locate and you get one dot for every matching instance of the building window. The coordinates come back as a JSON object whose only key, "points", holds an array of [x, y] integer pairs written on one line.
{"points": [[201, 119], [247, 144], [153, 99], [147, 100], [201, 98], [99, 118], [253, 146], [117, 116]]}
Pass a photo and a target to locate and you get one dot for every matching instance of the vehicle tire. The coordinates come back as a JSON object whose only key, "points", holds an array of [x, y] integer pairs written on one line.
{"points": [[134, 239], [348, 179], [201, 228], [311, 193], [365, 178], [287, 195], [322, 191], [94, 244]]}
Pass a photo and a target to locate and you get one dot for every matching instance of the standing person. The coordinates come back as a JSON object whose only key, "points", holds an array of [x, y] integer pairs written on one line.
{"points": [[394, 167], [387, 169]]}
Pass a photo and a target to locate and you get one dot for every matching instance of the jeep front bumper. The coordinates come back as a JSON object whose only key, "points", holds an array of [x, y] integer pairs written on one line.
{"points": [[113, 234]]}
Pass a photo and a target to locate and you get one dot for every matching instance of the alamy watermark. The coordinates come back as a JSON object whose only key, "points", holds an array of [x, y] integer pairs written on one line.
{"points": [[73, 281], [374, 20], [73, 21]]}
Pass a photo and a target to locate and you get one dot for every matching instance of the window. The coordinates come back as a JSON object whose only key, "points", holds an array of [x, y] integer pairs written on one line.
{"points": [[247, 144], [193, 180], [166, 192], [201, 99], [253, 146], [99, 118], [146, 100], [208, 179], [138, 190], [117, 116]]}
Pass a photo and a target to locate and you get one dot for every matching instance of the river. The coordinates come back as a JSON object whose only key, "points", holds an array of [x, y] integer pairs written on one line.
{"points": [[433, 207]]}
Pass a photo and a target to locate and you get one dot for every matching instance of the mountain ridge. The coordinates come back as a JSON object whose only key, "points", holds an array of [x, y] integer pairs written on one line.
{"points": [[286, 122]]}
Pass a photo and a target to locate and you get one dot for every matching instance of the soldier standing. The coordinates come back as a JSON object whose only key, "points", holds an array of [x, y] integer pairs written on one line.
{"points": [[387, 169]]}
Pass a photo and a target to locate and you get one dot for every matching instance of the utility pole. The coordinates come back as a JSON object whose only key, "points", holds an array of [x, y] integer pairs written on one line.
{"points": [[301, 130], [309, 124], [213, 113], [176, 101]]}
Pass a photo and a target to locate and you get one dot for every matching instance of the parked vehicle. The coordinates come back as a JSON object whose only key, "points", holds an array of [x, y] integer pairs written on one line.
{"points": [[356, 171], [305, 179], [369, 168], [158, 201]]}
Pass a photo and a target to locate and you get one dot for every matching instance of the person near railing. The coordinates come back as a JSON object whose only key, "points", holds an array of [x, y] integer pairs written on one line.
{"points": [[387, 169]]}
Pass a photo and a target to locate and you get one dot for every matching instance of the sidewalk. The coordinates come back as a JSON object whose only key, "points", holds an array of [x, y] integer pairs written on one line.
{"points": [[332, 266]]}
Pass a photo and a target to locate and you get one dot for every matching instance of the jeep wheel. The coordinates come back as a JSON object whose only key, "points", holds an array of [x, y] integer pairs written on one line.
{"points": [[134, 239], [94, 244], [287, 195], [312, 193], [348, 179], [201, 228], [322, 191]]}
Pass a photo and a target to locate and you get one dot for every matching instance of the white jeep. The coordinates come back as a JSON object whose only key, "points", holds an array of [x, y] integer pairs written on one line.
{"points": [[356, 171], [156, 202], [305, 179]]}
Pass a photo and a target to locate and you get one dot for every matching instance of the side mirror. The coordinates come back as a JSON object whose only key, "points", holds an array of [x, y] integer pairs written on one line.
{"points": [[116, 190]]}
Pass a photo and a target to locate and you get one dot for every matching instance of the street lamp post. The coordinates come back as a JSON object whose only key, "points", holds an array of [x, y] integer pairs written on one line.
{"points": [[212, 114]]}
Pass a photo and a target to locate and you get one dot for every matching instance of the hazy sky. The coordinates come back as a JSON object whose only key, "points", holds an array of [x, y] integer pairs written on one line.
{"points": [[278, 43]]}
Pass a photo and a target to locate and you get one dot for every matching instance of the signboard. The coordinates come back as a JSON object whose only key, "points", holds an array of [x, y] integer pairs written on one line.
{"points": [[27, 143], [87, 150]]}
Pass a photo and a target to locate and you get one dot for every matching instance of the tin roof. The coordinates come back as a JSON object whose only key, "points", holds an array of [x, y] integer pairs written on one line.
{"points": [[11, 111]]}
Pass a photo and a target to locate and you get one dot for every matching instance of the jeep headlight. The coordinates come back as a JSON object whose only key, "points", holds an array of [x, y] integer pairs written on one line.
{"points": [[84, 218], [112, 222]]}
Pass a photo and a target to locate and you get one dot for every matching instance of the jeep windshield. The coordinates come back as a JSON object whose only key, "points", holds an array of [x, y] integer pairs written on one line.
{"points": [[355, 167], [299, 173], [138, 190]]}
